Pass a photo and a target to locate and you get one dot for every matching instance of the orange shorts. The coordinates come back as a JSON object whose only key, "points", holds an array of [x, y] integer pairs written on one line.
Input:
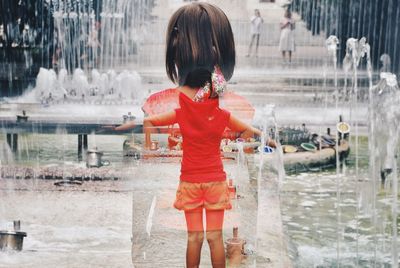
{"points": [[209, 195]]}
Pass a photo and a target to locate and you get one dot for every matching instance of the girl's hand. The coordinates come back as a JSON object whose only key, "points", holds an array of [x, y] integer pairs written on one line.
{"points": [[271, 143], [268, 141]]}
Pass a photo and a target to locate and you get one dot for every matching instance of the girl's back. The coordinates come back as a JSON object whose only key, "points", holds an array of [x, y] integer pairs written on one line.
{"points": [[202, 125]]}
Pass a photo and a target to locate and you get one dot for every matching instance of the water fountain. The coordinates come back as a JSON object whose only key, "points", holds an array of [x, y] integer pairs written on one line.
{"points": [[108, 32], [384, 144], [98, 88], [363, 209], [106, 41], [336, 218]]}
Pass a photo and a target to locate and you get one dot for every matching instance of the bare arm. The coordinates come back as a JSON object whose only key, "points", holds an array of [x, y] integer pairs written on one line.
{"points": [[284, 25], [246, 131], [164, 119]]}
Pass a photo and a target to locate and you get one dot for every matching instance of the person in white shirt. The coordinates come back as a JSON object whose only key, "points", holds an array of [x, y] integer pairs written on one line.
{"points": [[286, 41], [255, 29]]}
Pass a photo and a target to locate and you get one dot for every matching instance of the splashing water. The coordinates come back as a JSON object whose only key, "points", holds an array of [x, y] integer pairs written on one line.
{"points": [[332, 46], [96, 88], [384, 143], [85, 39]]}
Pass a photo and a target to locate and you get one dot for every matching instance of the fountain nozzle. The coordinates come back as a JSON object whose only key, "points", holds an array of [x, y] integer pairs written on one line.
{"points": [[235, 248], [17, 225], [23, 117], [12, 239], [384, 173]]}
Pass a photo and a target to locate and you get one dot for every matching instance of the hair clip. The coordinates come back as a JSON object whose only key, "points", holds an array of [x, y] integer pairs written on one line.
{"points": [[218, 82], [217, 87], [203, 93], [175, 29]]}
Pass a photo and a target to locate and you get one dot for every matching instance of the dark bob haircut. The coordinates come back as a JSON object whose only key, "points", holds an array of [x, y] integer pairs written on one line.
{"points": [[199, 36]]}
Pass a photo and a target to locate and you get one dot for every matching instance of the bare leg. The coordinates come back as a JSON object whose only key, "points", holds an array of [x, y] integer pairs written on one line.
{"points": [[194, 222], [257, 43], [215, 219], [251, 44]]}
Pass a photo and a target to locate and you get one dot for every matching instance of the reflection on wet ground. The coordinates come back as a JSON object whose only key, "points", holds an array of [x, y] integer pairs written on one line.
{"points": [[68, 226]]}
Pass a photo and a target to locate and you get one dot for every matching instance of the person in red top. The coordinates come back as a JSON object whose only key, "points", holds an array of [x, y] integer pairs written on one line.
{"points": [[200, 55]]}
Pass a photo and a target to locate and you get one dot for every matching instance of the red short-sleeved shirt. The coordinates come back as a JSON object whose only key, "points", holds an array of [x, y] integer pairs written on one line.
{"points": [[202, 125]]}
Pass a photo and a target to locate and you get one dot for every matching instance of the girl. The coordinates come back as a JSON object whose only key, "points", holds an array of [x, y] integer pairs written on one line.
{"points": [[286, 40], [200, 55]]}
